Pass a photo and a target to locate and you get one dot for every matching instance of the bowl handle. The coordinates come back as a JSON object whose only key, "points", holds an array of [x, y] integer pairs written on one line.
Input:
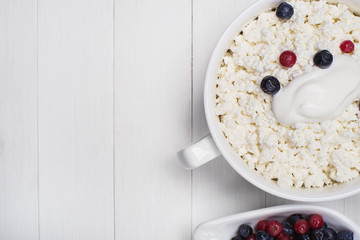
{"points": [[198, 153]]}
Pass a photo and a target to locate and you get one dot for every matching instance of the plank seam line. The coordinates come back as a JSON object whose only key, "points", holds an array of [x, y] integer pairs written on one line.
{"points": [[37, 116], [114, 162], [191, 107], [114, 171]]}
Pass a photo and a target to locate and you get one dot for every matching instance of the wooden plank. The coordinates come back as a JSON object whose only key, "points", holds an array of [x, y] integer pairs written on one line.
{"points": [[18, 120], [76, 119], [337, 205], [152, 118], [351, 208], [217, 189]]}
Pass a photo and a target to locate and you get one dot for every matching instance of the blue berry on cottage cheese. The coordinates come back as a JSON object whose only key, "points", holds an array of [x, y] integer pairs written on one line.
{"points": [[284, 11], [299, 154], [323, 59], [270, 85]]}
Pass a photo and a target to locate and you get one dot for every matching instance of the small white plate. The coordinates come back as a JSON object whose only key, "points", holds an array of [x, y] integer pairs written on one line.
{"points": [[225, 228]]}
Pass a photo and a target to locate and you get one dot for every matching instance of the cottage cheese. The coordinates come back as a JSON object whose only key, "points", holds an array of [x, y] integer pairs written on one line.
{"points": [[302, 154]]}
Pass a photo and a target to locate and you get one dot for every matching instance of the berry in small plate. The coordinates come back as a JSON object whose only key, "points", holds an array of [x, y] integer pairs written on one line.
{"points": [[226, 228]]}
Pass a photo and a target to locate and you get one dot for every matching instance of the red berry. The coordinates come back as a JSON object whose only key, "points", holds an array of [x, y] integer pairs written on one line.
{"points": [[316, 221], [261, 226], [252, 237], [302, 226], [287, 59], [274, 228], [347, 46], [283, 236]]}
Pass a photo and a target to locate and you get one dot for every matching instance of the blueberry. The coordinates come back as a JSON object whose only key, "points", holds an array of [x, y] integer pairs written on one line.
{"points": [[324, 226], [270, 85], [323, 59], [288, 228], [284, 11], [329, 234], [237, 238], [294, 218], [302, 237], [317, 234], [262, 235], [245, 231], [345, 235], [305, 237]]}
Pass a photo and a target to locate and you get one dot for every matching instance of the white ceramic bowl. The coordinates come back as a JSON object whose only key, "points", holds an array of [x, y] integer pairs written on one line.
{"points": [[216, 144], [225, 228]]}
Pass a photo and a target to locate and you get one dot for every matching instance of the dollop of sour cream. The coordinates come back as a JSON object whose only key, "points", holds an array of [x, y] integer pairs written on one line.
{"points": [[319, 95]]}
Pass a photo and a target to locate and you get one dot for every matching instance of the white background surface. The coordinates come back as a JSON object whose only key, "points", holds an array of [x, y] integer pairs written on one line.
{"points": [[96, 98]]}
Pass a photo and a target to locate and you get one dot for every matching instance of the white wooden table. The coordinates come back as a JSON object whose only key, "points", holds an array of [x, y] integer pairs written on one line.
{"points": [[96, 98]]}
